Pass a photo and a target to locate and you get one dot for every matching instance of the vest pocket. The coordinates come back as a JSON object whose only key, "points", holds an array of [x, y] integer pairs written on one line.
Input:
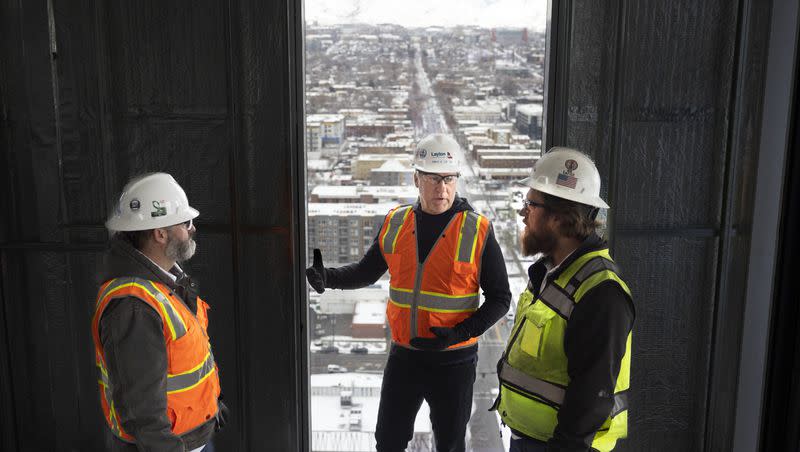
{"points": [[461, 275], [537, 320]]}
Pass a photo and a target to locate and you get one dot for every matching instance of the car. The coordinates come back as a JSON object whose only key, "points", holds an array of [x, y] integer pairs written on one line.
{"points": [[359, 349], [329, 349], [336, 369]]}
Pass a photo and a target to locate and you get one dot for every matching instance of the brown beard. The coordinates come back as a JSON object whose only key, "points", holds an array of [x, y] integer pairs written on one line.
{"points": [[537, 242]]}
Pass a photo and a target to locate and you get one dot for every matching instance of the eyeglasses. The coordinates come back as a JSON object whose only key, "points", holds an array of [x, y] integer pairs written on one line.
{"points": [[188, 224], [528, 203], [434, 179]]}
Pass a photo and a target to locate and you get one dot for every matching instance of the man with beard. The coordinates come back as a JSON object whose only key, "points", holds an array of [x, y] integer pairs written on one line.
{"points": [[158, 382], [565, 373], [439, 253]]}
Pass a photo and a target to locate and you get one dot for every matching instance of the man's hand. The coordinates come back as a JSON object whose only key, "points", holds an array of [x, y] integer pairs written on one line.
{"points": [[222, 415], [445, 337], [316, 273]]}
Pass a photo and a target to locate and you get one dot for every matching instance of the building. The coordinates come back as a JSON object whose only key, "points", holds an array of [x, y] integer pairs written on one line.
{"points": [[369, 320], [345, 407], [339, 302], [392, 173], [363, 194], [482, 113], [365, 163], [379, 147], [529, 120], [343, 232], [506, 161], [323, 130]]}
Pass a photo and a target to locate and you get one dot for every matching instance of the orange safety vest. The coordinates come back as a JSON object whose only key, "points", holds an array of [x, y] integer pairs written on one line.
{"points": [[443, 290], [192, 377]]}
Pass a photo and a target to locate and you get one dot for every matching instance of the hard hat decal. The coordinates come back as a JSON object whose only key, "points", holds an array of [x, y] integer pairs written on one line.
{"points": [[571, 165], [422, 153], [566, 180], [160, 211], [134, 204], [569, 174]]}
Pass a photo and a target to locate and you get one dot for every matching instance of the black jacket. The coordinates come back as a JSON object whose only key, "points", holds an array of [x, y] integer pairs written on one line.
{"points": [[594, 342], [493, 277], [132, 337]]}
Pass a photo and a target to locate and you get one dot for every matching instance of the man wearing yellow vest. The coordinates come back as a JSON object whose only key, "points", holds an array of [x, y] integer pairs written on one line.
{"points": [[565, 373], [158, 382], [439, 253]]}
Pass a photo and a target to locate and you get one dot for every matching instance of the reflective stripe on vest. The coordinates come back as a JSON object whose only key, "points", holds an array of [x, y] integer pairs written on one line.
{"points": [[562, 300], [398, 217], [112, 413], [468, 237], [174, 322], [435, 302], [191, 378], [549, 392]]}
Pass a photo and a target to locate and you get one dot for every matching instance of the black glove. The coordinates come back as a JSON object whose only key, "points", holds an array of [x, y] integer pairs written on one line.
{"points": [[222, 415], [316, 273], [445, 337]]}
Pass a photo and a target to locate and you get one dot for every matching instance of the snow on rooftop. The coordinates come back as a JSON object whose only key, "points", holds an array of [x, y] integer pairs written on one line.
{"points": [[372, 157], [319, 164], [393, 166], [530, 109], [324, 118], [376, 191], [370, 313], [349, 209]]}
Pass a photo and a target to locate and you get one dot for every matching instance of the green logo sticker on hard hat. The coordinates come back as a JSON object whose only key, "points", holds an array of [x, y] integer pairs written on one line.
{"points": [[159, 211]]}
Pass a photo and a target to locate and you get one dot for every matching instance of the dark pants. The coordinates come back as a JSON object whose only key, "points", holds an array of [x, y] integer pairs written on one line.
{"points": [[527, 445], [412, 376]]}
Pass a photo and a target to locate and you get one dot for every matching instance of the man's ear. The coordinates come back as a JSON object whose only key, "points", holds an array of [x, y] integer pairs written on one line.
{"points": [[554, 220], [160, 235], [416, 180]]}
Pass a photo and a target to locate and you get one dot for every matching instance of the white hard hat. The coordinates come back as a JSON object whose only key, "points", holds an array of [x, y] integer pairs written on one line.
{"points": [[151, 201], [437, 153], [569, 174]]}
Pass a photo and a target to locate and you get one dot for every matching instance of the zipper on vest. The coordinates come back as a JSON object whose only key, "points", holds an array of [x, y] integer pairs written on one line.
{"points": [[414, 301]]}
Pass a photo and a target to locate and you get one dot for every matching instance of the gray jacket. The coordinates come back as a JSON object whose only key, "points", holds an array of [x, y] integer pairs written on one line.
{"points": [[132, 337]]}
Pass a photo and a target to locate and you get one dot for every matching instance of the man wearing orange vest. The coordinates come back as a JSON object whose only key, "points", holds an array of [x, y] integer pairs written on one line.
{"points": [[158, 382], [439, 253]]}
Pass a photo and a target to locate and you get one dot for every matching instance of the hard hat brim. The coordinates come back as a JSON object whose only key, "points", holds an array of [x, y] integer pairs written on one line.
{"points": [[145, 223], [565, 194]]}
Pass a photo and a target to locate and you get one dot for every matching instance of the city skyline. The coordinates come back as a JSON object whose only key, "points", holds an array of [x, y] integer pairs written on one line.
{"points": [[529, 14]]}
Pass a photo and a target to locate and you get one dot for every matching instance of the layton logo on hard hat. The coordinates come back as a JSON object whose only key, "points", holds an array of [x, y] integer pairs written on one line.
{"points": [[159, 211], [571, 165], [422, 153], [135, 204]]}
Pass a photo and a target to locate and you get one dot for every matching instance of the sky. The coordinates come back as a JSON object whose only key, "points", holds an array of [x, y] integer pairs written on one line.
{"points": [[423, 13]]}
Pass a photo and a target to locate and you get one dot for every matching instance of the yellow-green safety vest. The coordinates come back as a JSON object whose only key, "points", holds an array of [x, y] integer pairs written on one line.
{"points": [[533, 369]]}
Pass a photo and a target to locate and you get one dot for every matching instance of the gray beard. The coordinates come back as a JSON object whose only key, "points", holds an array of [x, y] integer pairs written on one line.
{"points": [[180, 251]]}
